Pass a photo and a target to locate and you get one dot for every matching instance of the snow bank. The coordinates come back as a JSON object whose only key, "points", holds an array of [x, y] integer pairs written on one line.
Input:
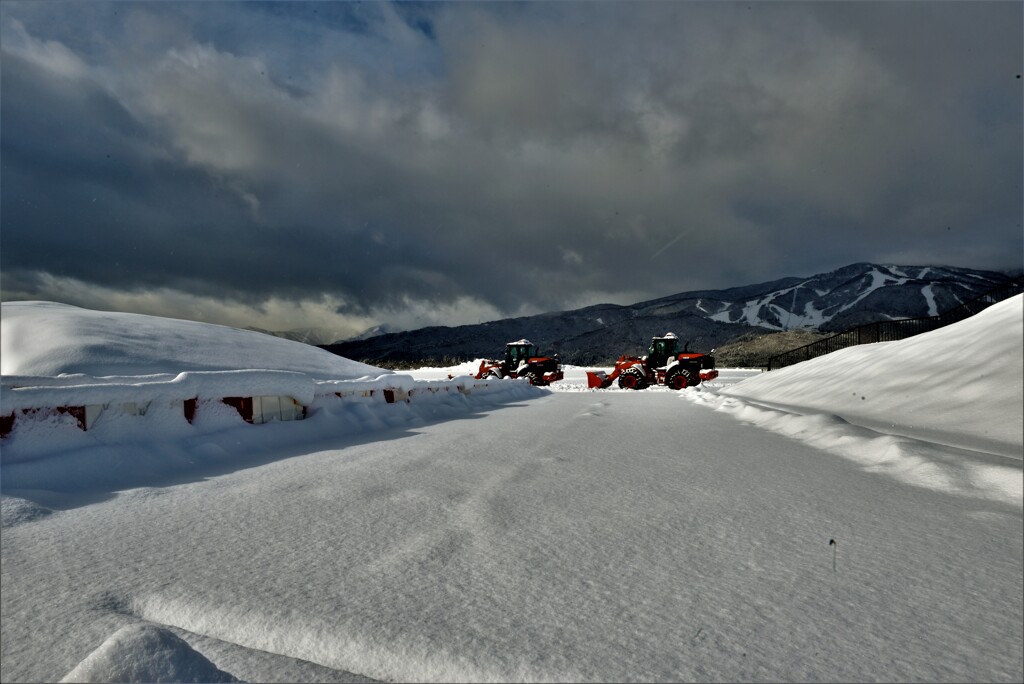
{"points": [[122, 450], [961, 385], [146, 653], [942, 410], [55, 355], [50, 339], [133, 379], [21, 392], [15, 510]]}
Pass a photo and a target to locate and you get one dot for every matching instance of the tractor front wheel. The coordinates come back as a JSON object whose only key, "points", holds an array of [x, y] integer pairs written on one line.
{"points": [[633, 379]]}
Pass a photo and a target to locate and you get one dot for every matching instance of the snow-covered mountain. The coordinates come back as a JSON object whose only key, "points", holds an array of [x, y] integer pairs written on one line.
{"points": [[319, 336], [382, 329], [833, 301], [314, 336]]}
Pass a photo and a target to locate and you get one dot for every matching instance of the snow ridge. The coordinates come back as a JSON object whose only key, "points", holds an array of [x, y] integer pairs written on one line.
{"points": [[146, 653], [878, 403]]}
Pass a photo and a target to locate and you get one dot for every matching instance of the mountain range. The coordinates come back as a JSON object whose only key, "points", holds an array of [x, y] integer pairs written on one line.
{"points": [[826, 302], [313, 336]]}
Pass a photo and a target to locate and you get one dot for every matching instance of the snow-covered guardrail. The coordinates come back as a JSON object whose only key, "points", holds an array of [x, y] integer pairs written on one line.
{"points": [[259, 396], [116, 373]]}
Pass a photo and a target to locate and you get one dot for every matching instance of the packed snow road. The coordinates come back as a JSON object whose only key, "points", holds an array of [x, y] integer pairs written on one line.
{"points": [[608, 536]]}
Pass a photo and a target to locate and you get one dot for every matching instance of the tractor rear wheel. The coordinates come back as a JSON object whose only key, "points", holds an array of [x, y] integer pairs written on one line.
{"points": [[632, 378], [679, 378], [533, 377]]}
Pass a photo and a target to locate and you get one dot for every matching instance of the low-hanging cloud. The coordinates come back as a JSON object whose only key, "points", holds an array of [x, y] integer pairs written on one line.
{"points": [[447, 163]]}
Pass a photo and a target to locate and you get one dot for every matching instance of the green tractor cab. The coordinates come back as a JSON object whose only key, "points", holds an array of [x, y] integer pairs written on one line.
{"points": [[522, 361], [663, 365]]}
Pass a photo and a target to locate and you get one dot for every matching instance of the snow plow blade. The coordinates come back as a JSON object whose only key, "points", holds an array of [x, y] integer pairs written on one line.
{"points": [[708, 374], [552, 377], [598, 380]]}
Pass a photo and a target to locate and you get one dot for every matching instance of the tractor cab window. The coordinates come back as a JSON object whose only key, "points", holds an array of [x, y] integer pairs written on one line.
{"points": [[519, 353], [661, 350]]}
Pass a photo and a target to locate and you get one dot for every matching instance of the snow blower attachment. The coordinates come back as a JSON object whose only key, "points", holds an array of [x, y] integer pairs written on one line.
{"points": [[521, 361], [663, 365]]}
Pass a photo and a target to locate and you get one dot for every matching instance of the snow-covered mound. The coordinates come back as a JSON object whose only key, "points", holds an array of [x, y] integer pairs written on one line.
{"points": [[77, 382], [15, 510], [146, 653], [961, 385], [55, 355], [50, 339]]}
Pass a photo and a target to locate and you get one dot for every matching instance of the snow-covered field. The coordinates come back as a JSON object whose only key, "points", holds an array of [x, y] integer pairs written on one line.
{"points": [[857, 517]]}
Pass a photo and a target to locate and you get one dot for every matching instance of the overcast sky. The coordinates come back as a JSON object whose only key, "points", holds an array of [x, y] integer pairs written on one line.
{"points": [[348, 164]]}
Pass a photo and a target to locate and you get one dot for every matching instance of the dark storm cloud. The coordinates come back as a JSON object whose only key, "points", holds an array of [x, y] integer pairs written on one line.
{"points": [[433, 161]]}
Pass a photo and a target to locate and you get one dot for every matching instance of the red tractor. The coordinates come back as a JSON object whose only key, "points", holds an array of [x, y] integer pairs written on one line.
{"points": [[663, 365], [521, 361]]}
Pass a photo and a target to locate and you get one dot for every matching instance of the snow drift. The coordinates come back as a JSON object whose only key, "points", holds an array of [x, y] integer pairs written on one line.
{"points": [[51, 339], [146, 653], [135, 379], [957, 385], [55, 355], [941, 410]]}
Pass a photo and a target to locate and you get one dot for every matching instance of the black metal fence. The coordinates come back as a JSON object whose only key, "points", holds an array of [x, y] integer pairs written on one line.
{"points": [[888, 331]]}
